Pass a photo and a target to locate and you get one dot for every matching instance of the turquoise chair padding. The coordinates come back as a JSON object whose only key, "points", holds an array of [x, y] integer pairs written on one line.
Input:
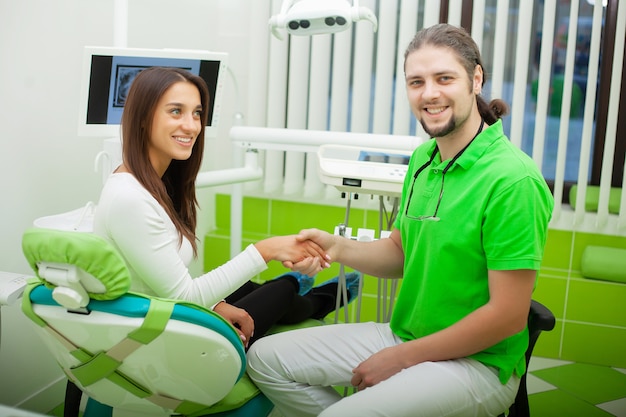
{"points": [[134, 305]]}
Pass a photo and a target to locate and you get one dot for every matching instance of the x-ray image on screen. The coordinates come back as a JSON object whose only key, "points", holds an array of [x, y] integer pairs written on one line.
{"points": [[123, 79], [125, 69]]}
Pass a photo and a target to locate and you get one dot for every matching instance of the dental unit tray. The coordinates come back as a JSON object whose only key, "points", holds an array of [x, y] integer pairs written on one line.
{"points": [[363, 170]]}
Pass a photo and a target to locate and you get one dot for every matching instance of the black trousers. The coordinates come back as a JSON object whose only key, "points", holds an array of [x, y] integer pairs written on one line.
{"points": [[277, 302]]}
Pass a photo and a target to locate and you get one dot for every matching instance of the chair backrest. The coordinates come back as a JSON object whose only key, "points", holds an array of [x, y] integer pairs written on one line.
{"points": [[540, 319], [125, 350]]}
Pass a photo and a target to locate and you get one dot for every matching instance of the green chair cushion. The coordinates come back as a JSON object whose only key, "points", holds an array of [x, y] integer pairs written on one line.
{"points": [[90, 252]]}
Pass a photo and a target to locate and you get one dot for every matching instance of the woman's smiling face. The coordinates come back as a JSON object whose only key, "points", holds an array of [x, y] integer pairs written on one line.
{"points": [[176, 124]]}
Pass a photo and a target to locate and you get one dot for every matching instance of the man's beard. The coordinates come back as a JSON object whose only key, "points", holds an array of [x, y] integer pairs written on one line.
{"points": [[443, 131]]}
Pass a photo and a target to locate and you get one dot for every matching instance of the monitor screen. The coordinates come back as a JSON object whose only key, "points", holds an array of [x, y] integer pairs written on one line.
{"points": [[384, 157], [108, 73]]}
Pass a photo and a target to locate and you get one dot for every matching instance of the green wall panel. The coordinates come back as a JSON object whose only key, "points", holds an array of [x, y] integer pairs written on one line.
{"points": [[216, 251], [549, 343], [594, 344], [597, 302], [551, 293], [289, 217], [557, 250], [222, 211]]}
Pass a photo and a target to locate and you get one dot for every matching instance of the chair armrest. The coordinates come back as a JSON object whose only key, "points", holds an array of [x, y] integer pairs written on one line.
{"points": [[541, 318]]}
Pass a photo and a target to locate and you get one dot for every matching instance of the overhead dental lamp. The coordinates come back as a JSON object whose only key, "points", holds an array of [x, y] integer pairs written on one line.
{"points": [[313, 17]]}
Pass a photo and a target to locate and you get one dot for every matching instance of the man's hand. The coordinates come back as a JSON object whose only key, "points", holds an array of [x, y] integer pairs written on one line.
{"points": [[310, 266], [239, 318], [377, 368], [324, 240]]}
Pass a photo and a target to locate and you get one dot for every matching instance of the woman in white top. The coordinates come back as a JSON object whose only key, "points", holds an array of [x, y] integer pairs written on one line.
{"points": [[147, 210]]}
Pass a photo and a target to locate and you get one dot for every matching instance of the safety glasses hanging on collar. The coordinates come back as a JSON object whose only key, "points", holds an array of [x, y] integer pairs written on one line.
{"points": [[434, 216]]}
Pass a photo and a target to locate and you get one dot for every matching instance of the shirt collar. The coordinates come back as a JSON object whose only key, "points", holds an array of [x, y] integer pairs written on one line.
{"points": [[479, 146], [475, 150]]}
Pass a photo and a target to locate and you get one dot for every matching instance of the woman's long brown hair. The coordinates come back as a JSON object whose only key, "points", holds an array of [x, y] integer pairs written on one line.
{"points": [[175, 191]]}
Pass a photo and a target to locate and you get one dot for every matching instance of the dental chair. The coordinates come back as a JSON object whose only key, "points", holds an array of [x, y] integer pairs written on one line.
{"points": [[136, 354]]}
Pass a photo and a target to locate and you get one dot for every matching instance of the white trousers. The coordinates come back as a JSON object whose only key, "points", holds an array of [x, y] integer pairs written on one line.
{"points": [[297, 369]]}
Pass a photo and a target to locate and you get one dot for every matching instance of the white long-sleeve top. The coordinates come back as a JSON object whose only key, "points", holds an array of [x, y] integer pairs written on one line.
{"points": [[136, 224]]}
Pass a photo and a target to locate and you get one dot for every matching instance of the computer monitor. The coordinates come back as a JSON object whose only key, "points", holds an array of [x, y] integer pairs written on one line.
{"points": [[108, 73]]}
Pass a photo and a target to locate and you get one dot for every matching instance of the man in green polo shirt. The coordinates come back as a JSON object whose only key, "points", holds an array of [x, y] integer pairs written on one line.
{"points": [[468, 243]]}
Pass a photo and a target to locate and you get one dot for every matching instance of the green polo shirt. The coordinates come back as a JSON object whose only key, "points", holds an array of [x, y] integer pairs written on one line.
{"points": [[493, 215]]}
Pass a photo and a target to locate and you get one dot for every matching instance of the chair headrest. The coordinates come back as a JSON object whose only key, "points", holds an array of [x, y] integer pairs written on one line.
{"points": [[79, 265]]}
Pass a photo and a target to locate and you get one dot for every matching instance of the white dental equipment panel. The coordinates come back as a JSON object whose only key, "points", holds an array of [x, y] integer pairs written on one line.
{"points": [[363, 170]]}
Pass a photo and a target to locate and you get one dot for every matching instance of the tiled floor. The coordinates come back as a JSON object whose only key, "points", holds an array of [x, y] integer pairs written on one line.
{"points": [[560, 388]]}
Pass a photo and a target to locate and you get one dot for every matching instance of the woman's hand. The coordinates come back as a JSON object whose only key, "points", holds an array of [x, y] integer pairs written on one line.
{"points": [[239, 318], [290, 249], [309, 266]]}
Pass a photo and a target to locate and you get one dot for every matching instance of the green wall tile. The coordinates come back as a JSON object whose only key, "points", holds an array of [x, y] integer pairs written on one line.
{"points": [[248, 238], [256, 215], [594, 344], [548, 344], [222, 211], [290, 217], [371, 284], [219, 233], [371, 221], [554, 272], [368, 308], [597, 302], [551, 293], [356, 220], [216, 252], [557, 250]]}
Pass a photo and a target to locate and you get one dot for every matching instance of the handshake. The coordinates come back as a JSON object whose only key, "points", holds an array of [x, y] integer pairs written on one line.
{"points": [[308, 252]]}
